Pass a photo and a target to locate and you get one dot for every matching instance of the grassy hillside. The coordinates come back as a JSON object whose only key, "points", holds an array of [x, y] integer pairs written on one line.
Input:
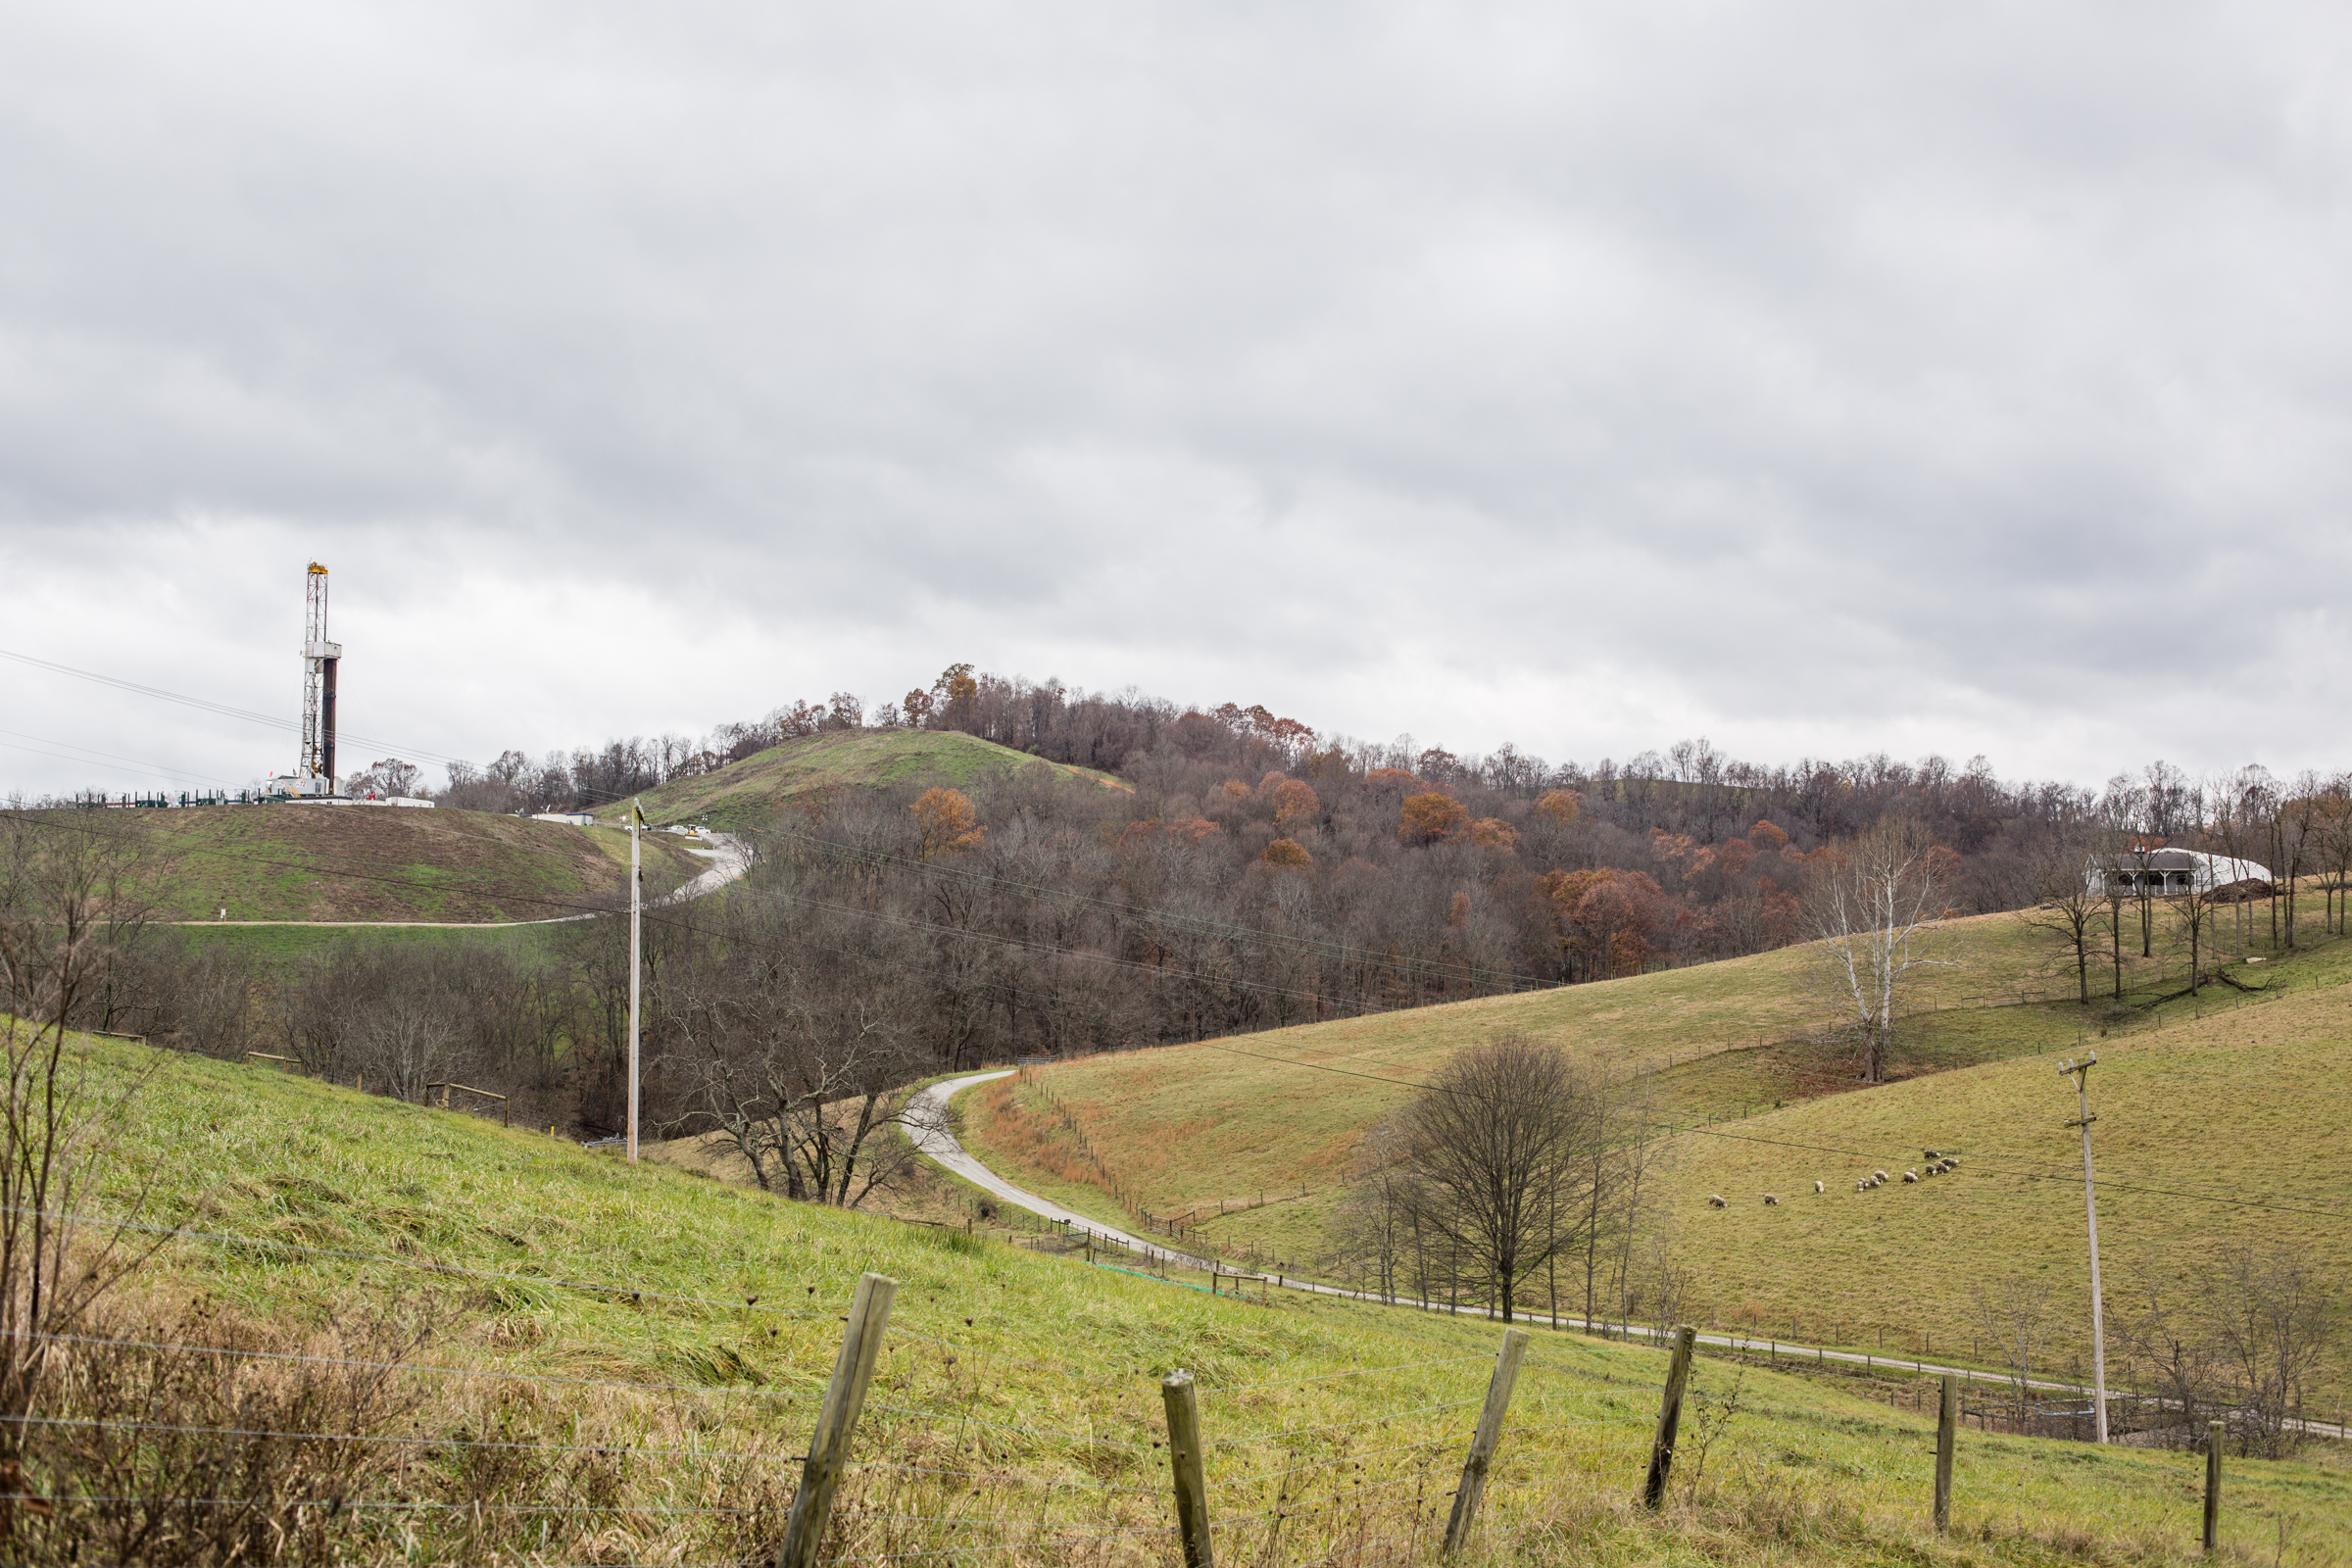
{"points": [[748, 792], [313, 862], [2230, 1094], [2211, 1130], [627, 1358]]}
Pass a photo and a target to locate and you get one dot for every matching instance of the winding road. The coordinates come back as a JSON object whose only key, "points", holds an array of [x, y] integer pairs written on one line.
{"points": [[932, 1137]]}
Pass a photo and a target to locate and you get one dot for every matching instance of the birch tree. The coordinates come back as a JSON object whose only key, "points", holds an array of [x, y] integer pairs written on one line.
{"points": [[1875, 916]]}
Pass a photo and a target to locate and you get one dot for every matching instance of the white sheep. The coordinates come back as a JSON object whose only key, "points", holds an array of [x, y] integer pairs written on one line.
{"points": [[1910, 1175], [1877, 1175], [1715, 1200], [1819, 1188]]}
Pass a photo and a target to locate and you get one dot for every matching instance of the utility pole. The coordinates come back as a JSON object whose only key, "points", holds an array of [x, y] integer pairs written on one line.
{"points": [[2081, 1073], [636, 911]]}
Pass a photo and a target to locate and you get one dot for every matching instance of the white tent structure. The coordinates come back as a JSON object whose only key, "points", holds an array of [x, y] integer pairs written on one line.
{"points": [[2167, 873]]}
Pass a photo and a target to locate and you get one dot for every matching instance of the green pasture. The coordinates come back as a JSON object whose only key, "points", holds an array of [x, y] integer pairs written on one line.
{"points": [[750, 792], [380, 864], [2232, 1096], [323, 1209]]}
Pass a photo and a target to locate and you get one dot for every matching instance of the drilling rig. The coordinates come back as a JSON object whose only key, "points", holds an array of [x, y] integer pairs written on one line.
{"points": [[317, 773]]}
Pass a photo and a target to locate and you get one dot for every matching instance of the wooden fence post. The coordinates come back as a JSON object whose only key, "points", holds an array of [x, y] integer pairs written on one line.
{"points": [[1186, 1462], [1670, 1417], [1946, 1420], [829, 1444], [1483, 1440], [2215, 1431]]}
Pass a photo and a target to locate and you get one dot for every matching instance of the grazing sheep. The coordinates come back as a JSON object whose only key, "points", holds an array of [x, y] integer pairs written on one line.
{"points": [[1820, 1188], [1715, 1200], [1910, 1175], [1931, 1154], [1862, 1186], [1771, 1202], [1877, 1175]]}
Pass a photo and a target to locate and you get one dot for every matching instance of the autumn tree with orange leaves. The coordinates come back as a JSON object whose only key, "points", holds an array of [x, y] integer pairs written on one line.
{"points": [[1428, 818], [948, 824]]}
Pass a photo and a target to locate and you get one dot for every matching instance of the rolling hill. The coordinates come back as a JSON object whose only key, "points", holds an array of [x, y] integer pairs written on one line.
{"points": [[747, 793], [521, 1349], [383, 864], [2209, 1110]]}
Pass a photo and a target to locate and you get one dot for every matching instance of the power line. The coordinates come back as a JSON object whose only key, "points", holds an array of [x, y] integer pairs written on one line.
{"points": [[171, 774], [247, 715]]}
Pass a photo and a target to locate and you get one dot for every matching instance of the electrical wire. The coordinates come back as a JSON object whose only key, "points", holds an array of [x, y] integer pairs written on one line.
{"points": [[180, 774], [273, 720]]}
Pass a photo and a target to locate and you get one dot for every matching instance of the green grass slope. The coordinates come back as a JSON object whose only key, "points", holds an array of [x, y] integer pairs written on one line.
{"points": [[374, 864], [1223, 1120], [2212, 1129], [749, 792], [1015, 1411], [2230, 1094]]}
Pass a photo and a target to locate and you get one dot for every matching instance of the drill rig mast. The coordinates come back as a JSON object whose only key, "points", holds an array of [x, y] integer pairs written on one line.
{"points": [[316, 772]]}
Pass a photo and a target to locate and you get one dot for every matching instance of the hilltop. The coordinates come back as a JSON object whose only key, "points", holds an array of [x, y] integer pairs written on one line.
{"points": [[620, 1364], [376, 863], [749, 792]]}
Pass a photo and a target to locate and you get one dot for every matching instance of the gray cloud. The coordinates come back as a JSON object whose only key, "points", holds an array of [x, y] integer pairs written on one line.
{"points": [[1821, 378]]}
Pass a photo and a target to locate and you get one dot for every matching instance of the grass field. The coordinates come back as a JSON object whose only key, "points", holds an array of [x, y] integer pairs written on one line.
{"points": [[1015, 1411], [2229, 1097], [308, 862], [747, 793]]}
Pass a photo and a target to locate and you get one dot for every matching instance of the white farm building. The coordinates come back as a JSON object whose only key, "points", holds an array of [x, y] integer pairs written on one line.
{"points": [[2166, 873]]}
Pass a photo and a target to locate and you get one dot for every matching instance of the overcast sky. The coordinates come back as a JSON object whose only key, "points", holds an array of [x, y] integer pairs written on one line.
{"points": [[1818, 378]]}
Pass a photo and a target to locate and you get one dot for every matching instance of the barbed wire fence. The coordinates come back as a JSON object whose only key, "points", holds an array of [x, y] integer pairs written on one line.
{"points": [[206, 1440]]}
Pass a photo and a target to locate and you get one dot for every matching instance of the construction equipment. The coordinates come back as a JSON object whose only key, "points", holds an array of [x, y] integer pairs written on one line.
{"points": [[315, 774]]}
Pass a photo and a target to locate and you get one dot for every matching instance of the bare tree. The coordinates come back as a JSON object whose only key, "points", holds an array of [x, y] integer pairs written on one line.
{"points": [[2158, 1322], [2014, 1313], [1875, 916], [404, 1042], [797, 1055], [65, 904], [1494, 1140], [2298, 833], [2275, 1316], [2192, 912], [2334, 847], [2065, 902], [1374, 1226]]}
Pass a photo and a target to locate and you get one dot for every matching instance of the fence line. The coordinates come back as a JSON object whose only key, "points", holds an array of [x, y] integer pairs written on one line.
{"points": [[1307, 1501]]}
